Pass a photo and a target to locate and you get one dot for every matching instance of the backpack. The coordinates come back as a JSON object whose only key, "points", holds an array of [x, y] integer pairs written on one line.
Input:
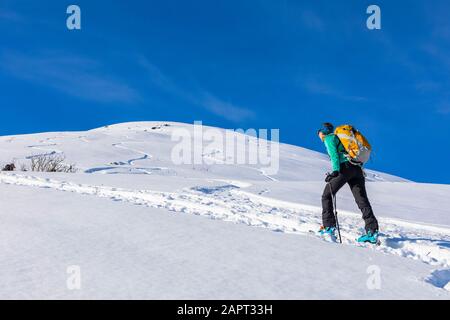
{"points": [[356, 146]]}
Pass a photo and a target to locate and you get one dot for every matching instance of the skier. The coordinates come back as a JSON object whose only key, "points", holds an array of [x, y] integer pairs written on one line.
{"points": [[344, 172]]}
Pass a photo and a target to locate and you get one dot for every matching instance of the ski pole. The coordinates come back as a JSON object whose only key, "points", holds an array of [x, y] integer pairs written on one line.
{"points": [[333, 198]]}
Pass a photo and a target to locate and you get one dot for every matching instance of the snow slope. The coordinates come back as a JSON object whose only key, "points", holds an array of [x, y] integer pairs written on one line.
{"points": [[135, 224]]}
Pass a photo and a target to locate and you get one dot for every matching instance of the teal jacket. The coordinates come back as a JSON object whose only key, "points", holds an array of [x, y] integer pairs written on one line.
{"points": [[335, 150]]}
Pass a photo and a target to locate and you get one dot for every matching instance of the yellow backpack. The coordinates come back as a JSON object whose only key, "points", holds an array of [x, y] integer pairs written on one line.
{"points": [[357, 147]]}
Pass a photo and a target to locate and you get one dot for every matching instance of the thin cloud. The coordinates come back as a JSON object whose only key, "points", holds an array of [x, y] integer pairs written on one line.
{"points": [[158, 78], [398, 55], [75, 76], [314, 86], [312, 21], [202, 98], [224, 109], [292, 15], [438, 54], [428, 86], [9, 15], [444, 109]]}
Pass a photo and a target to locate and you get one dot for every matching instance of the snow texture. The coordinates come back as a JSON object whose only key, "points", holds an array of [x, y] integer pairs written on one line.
{"points": [[136, 225]]}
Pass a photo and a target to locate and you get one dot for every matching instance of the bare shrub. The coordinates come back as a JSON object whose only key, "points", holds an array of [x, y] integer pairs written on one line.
{"points": [[9, 167], [51, 163]]}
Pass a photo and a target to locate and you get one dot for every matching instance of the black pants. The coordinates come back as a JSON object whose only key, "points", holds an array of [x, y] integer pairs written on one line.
{"points": [[354, 176]]}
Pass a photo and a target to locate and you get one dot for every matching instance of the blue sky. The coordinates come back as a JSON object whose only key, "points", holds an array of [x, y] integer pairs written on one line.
{"points": [[237, 64]]}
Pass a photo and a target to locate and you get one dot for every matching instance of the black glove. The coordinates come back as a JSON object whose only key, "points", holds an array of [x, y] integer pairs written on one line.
{"points": [[331, 176]]}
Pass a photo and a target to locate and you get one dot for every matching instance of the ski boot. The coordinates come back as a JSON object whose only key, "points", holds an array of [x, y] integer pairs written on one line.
{"points": [[369, 237], [328, 233]]}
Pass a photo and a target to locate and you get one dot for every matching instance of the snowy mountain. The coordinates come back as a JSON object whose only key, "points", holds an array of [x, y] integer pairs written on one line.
{"points": [[139, 226]]}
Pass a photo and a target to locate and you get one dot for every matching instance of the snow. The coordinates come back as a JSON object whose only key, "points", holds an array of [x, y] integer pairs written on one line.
{"points": [[139, 226]]}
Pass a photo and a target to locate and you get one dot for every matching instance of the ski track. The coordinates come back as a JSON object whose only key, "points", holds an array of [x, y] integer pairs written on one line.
{"points": [[263, 172], [44, 147], [128, 166], [214, 158], [427, 243], [84, 139], [131, 162]]}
